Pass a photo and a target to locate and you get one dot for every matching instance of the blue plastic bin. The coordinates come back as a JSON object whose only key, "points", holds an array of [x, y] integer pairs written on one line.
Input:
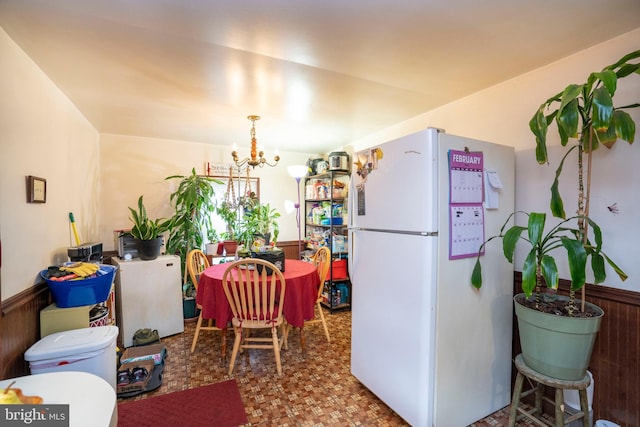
{"points": [[76, 293]]}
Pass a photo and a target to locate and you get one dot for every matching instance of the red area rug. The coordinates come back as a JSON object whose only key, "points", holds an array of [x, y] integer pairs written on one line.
{"points": [[217, 405]]}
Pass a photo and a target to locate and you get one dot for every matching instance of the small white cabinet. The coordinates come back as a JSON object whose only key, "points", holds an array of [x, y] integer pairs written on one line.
{"points": [[148, 295]]}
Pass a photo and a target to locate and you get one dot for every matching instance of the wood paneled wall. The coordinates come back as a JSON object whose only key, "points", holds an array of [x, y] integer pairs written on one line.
{"points": [[615, 361], [20, 329]]}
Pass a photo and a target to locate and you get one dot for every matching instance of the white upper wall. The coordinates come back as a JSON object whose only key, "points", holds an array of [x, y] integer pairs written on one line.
{"points": [[44, 135], [135, 166], [501, 114]]}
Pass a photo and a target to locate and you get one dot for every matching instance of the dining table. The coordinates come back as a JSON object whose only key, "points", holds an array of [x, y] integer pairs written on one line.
{"points": [[301, 292]]}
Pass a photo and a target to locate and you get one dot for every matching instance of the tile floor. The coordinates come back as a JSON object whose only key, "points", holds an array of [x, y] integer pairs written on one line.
{"points": [[316, 388]]}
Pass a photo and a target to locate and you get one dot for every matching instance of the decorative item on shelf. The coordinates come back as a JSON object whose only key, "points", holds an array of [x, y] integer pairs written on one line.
{"points": [[257, 157], [297, 172]]}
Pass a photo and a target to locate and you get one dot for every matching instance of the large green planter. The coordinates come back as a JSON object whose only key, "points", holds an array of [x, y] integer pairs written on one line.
{"points": [[557, 346]]}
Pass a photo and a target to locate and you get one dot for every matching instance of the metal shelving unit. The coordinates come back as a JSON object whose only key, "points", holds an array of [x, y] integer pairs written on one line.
{"points": [[329, 230]]}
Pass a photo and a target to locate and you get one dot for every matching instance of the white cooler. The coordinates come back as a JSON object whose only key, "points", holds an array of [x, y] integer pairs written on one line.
{"points": [[91, 350]]}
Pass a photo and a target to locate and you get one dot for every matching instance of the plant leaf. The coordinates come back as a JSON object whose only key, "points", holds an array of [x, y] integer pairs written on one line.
{"points": [[568, 114], [602, 109], [538, 125], [609, 79], [550, 271], [510, 240], [624, 125], [529, 273], [536, 227], [597, 266], [577, 257], [476, 274], [556, 204]]}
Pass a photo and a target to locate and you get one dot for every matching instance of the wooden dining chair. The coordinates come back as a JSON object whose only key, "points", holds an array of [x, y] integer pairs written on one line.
{"points": [[322, 260], [197, 262], [256, 300]]}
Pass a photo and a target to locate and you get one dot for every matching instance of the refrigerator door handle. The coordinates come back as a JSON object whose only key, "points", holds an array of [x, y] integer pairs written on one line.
{"points": [[385, 230]]}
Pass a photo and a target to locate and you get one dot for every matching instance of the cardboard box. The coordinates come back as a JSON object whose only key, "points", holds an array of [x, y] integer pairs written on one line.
{"points": [[140, 386], [154, 352]]}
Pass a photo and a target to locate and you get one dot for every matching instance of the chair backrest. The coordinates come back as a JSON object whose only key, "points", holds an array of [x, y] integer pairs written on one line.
{"points": [[322, 261], [197, 261], [252, 294]]}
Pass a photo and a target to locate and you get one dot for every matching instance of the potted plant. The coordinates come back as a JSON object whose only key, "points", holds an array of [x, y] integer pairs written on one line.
{"points": [[261, 221], [229, 214], [568, 336], [194, 202], [211, 248], [146, 232], [585, 112]]}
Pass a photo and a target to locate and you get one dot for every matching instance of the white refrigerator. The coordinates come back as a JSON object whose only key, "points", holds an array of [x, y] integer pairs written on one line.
{"points": [[428, 344], [148, 295]]}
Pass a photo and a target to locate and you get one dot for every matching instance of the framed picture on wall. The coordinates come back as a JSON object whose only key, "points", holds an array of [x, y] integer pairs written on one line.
{"points": [[36, 189]]}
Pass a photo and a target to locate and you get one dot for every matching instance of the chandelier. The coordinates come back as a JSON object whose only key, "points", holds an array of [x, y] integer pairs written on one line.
{"points": [[257, 157]]}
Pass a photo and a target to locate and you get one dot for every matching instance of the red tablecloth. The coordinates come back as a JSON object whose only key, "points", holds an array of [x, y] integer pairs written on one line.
{"points": [[299, 301]]}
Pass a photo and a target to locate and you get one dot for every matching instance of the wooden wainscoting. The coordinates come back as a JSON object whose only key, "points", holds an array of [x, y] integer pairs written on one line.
{"points": [[615, 361], [20, 323], [290, 249], [20, 328]]}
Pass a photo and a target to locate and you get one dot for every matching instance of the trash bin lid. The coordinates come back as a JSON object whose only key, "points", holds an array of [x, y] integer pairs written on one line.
{"points": [[73, 342]]}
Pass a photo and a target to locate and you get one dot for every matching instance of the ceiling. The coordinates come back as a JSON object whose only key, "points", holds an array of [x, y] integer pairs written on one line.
{"points": [[320, 73]]}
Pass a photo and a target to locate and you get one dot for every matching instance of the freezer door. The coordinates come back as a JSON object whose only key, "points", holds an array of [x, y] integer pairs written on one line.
{"points": [[399, 191], [393, 294]]}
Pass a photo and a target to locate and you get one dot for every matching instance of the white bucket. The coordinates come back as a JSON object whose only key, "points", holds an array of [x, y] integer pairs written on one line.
{"points": [[91, 350], [572, 403], [572, 397], [605, 423]]}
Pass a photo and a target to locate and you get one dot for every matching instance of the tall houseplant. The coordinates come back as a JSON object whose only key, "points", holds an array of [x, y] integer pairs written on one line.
{"points": [[147, 232], [194, 203], [559, 343], [585, 112]]}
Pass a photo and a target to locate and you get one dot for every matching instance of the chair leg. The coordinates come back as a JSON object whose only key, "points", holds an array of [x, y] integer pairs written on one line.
{"points": [[195, 337], [324, 322], [303, 341], [515, 401], [286, 327], [236, 346], [223, 344], [276, 349]]}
